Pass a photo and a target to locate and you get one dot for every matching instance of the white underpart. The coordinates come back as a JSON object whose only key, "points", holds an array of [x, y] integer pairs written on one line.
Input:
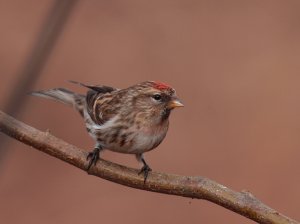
{"points": [[146, 139], [107, 125], [143, 139], [96, 127]]}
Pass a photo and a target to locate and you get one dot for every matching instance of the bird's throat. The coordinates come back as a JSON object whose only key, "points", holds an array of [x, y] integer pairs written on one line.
{"points": [[165, 114]]}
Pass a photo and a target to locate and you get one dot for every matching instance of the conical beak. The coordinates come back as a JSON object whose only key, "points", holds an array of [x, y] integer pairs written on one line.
{"points": [[175, 103]]}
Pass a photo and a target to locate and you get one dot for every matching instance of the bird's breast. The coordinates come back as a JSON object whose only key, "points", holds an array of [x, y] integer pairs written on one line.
{"points": [[133, 140], [149, 138]]}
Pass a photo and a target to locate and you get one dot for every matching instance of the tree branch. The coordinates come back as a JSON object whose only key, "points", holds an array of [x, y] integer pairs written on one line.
{"points": [[36, 60], [243, 203]]}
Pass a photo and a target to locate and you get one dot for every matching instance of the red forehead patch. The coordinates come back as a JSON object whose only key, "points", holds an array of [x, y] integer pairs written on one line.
{"points": [[161, 86]]}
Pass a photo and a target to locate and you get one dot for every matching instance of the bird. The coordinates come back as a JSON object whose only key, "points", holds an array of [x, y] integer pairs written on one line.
{"points": [[131, 120]]}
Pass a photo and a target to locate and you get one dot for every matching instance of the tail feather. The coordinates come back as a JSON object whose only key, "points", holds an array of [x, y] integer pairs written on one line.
{"points": [[64, 96]]}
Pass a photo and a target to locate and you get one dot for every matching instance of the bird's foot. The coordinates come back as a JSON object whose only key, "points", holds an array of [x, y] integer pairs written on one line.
{"points": [[93, 156], [145, 169]]}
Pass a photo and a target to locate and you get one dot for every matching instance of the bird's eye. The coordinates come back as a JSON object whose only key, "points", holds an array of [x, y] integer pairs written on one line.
{"points": [[157, 97]]}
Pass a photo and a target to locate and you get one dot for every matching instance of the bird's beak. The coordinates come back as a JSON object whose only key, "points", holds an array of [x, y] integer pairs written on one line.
{"points": [[175, 103]]}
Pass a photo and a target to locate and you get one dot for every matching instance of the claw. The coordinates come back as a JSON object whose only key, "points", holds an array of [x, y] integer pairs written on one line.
{"points": [[93, 156], [145, 169]]}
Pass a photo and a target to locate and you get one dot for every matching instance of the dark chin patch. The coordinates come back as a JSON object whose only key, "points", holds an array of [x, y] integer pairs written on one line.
{"points": [[165, 114]]}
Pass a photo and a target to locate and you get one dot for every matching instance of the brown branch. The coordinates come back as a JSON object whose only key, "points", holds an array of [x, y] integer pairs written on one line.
{"points": [[243, 203], [51, 30]]}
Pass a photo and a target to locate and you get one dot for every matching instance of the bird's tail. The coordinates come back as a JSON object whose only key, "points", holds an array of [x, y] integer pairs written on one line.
{"points": [[64, 96]]}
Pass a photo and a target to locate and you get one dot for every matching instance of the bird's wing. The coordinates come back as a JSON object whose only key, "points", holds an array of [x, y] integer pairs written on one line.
{"points": [[99, 103]]}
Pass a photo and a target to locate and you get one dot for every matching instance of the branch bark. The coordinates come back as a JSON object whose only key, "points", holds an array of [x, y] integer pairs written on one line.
{"points": [[36, 60], [243, 203]]}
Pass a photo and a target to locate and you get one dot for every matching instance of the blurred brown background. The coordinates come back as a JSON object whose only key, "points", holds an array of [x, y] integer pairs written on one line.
{"points": [[235, 65]]}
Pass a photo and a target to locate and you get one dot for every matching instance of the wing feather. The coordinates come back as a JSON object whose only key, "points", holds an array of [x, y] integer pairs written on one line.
{"points": [[98, 102]]}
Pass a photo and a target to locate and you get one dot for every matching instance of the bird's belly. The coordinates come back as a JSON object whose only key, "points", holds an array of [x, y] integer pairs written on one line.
{"points": [[134, 141], [146, 142], [131, 140], [138, 143]]}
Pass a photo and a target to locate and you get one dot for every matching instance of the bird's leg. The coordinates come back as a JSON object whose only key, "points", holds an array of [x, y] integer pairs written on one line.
{"points": [[146, 168], [94, 156]]}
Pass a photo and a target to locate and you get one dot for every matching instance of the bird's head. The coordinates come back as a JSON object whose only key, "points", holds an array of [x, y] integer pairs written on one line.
{"points": [[155, 100]]}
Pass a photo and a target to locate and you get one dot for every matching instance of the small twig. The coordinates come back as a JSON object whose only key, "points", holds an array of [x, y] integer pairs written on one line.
{"points": [[43, 46], [243, 203], [51, 30]]}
